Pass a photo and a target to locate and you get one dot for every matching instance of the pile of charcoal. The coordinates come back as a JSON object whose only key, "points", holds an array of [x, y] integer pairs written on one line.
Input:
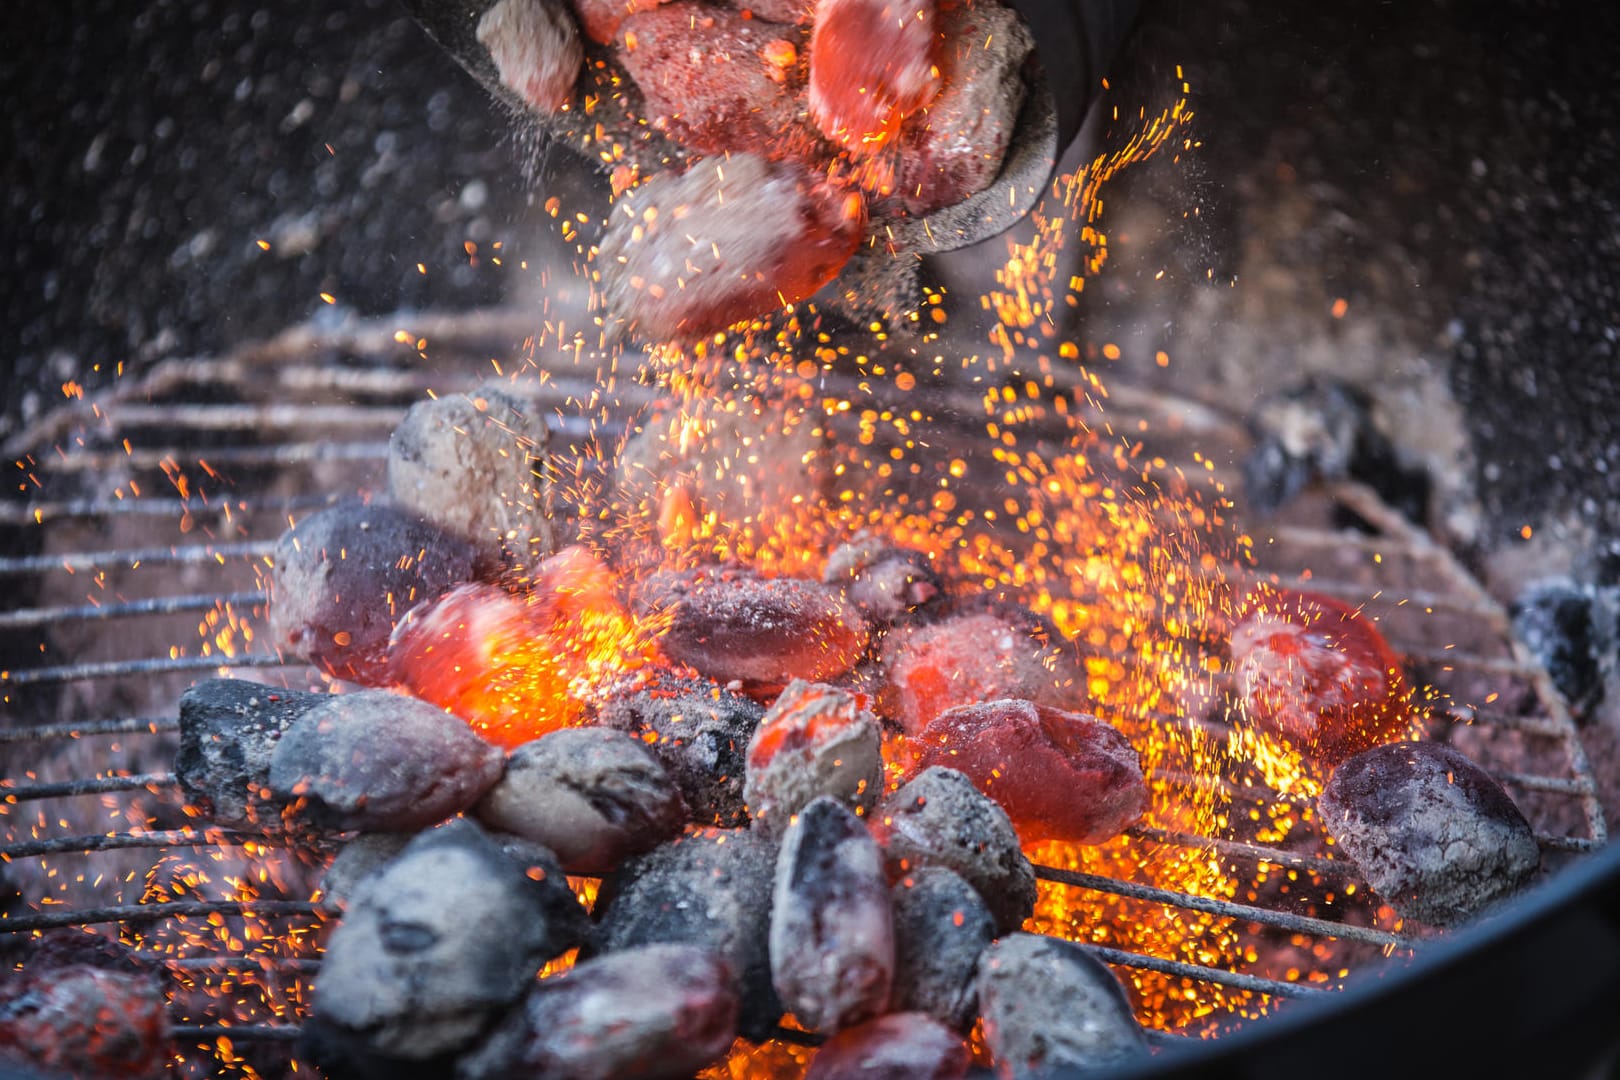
{"points": [[761, 143], [808, 804]]}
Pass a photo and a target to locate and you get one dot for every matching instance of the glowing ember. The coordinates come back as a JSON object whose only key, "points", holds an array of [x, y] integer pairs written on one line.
{"points": [[518, 666], [872, 63], [1316, 674]]}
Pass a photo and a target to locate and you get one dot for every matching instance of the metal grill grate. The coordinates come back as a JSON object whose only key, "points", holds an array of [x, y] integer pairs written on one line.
{"points": [[144, 512]]}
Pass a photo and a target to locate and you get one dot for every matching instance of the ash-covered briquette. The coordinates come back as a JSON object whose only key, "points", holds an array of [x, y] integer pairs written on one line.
{"points": [[814, 740], [832, 937], [973, 655], [592, 795], [941, 925], [1434, 835], [956, 146], [899, 1046], [471, 464], [712, 889], [356, 860], [536, 50], [716, 80], [731, 624], [81, 1005], [228, 731], [940, 819], [698, 730], [375, 760], [659, 1012], [687, 255], [434, 948], [600, 19], [343, 577], [1059, 775], [1051, 1009], [884, 581]]}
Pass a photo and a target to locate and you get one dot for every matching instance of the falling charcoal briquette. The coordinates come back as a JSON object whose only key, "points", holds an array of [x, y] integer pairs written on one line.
{"points": [[832, 938], [380, 761], [343, 576], [941, 925], [228, 732], [731, 624], [899, 1046], [815, 740], [871, 66], [659, 1012], [955, 147], [472, 464], [710, 888], [1050, 1008], [685, 255], [1059, 775], [535, 47], [940, 819], [592, 795], [698, 729], [884, 581], [433, 949], [1434, 835], [977, 655], [80, 1005]]}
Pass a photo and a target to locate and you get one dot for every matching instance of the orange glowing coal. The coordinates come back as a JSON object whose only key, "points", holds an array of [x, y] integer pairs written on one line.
{"points": [[516, 666]]}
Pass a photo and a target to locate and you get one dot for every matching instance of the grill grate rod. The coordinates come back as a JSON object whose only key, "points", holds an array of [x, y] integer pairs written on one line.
{"points": [[157, 605], [187, 554], [127, 725], [109, 669], [156, 911]]}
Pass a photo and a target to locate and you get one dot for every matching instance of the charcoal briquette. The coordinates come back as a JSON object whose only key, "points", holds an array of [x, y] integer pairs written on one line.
{"points": [[344, 576], [592, 795], [436, 946], [1051, 1009], [814, 740], [375, 760], [940, 819], [899, 1046], [832, 937], [658, 1012], [698, 729], [941, 925], [710, 888], [228, 731]]}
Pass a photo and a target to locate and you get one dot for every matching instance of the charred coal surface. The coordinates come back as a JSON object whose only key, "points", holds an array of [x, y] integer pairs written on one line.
{"points": [[699, 730], [229, 729]]}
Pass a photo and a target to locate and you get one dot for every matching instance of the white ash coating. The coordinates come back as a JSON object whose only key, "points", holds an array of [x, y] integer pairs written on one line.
{"points": [[659, 1012], [899, 1046], [536, 49], [710, 888], [814, 740], [592, 795], [228, 732], [342, 577], [471, 464], [939, 818], [436, 945], [375, 760], [1431, 831], [1050, 1007], [941, 925], [832, 938]]}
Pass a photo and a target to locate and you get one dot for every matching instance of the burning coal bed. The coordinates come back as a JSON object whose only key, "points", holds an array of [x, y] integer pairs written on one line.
{"points": [[596, 820]]}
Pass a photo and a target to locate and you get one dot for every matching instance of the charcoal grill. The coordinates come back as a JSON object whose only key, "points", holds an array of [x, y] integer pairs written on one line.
{"points": [[148, 512]]}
